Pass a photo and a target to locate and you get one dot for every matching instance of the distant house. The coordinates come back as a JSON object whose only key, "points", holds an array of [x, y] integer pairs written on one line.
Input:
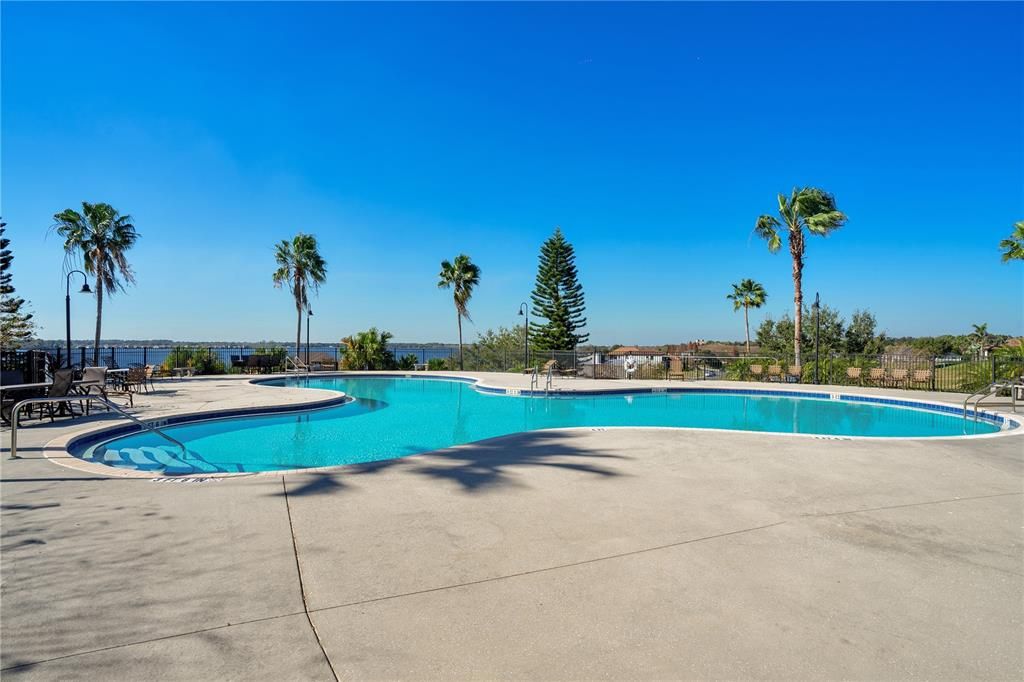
{"points": [[721, 350], [637, 351], [641, 354]]}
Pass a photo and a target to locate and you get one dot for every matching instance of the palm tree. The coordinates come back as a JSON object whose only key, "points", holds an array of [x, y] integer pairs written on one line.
{"points": [[1013, 246], [300, 266], [979, 337], [367, 350], [101, 236], [460, 276], [747, 294], [809, 208]]}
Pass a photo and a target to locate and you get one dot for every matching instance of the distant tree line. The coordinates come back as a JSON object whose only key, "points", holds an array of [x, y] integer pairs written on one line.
{"points": [[854, 336]]}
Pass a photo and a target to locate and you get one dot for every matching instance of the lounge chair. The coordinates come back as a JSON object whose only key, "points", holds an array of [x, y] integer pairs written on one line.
{"points": [[757, 372], [675, 368], [794, 372], [922, 376], [898, 376], [854, 374], [566, 371], [876, 375], [775, 373]]}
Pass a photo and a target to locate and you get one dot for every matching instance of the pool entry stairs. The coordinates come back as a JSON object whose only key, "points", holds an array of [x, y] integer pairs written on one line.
{"points": [[165, 459]]}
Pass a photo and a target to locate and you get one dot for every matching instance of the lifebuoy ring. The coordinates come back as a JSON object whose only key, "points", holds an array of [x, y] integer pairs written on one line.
{"points": [[629, 365]]}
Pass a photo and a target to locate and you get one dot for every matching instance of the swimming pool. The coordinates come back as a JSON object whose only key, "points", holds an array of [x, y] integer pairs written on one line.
{"points": [[394, 416]]}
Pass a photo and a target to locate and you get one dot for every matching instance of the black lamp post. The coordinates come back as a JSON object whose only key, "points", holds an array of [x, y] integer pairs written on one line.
{"points": [[817, 332], [309, 314], [67, 305], [525, 310]]}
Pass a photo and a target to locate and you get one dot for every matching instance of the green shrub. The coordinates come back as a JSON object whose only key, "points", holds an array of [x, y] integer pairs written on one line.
{"points": [[438, 364], [201, 360], [367, 350], [408, 362]]}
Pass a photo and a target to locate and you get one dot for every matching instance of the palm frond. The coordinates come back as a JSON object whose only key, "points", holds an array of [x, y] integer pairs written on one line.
{"points": [[767, 228]]}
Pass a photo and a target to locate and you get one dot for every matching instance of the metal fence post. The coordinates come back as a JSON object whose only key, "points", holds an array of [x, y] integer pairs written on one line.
{"points": [[82, 349], [934, 378], [992, 355]]}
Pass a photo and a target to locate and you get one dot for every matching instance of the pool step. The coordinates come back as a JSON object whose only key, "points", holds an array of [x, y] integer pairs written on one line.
{"points": [[165, 459]]}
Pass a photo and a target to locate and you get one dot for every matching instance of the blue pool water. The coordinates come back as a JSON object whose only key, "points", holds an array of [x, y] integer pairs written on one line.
{"points": [[396, 416]]}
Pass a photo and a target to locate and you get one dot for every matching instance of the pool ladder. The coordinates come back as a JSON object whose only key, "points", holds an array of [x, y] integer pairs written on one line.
{"points": [[297, 364], [535, 380], [1014, 386]]}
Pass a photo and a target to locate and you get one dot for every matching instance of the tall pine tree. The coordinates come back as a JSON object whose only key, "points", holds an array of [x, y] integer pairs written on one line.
{"points": [[15, 326], [558, 298]]}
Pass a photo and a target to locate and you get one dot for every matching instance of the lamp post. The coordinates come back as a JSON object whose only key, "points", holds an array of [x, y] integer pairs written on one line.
{"points": [[67, 305], [817, 332], [309, 314], [525, 310]]}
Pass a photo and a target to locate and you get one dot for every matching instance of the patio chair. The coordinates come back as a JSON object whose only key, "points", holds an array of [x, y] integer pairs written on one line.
{"points": [[922, 376], [775, 373], [898, 376], [135, 380], [757, 372], [794, 372], [153, 371], [94, 380], [876, 376], [63, 387], [854, 374]]}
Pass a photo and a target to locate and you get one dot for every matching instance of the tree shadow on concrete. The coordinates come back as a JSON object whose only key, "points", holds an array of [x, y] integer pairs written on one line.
{"points": [[475, 467], [90, 563]]}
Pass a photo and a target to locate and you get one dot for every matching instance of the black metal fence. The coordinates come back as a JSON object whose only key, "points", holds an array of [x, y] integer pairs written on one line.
{"points": [[951, 373]]}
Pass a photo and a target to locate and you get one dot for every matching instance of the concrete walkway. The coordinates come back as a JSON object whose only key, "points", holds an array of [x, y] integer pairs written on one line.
{"points": [[555, 554]]}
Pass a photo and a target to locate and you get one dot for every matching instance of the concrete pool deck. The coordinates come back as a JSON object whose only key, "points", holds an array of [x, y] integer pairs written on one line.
{"points": [[553, 554]]}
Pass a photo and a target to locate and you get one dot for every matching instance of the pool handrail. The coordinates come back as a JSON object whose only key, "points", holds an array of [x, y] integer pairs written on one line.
{"points": [[89, 398], [990, 390]]}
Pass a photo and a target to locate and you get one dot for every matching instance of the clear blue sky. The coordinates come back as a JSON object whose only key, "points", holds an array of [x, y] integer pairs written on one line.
{"points": [[404, 134]]}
